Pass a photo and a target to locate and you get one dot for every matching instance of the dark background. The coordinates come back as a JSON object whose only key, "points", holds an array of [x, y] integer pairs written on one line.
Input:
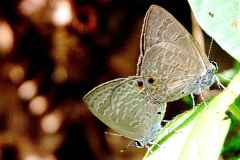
{"points": [[54, 65]]}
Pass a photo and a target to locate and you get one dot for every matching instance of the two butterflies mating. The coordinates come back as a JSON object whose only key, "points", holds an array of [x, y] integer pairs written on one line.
{"points": [[170, 66]]}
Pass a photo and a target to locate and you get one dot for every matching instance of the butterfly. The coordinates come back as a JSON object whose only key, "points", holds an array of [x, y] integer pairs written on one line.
{"points": [[170, 59], [170, 66], [123, 105]]}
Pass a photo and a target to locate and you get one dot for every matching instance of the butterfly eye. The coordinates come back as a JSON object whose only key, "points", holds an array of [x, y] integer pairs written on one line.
{"points": [[150, 80]]}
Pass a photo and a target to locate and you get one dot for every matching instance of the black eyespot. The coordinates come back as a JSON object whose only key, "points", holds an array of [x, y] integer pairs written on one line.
{"points": [[140, 83], [159, 113], [150, 80]]}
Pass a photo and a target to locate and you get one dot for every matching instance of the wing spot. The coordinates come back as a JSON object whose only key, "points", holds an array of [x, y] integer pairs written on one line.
{"points": [[150, 80], [140, 84]]}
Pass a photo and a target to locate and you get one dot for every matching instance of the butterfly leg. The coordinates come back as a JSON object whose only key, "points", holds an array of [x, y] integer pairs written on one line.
{"points": [[148, 148], [220, 85], [166, 121], [202, 98], [152, 143], [193, 100]]}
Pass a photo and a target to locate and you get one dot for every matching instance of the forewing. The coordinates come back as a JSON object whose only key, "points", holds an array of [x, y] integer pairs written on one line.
{"points": [[122, 106], [160, 26]]}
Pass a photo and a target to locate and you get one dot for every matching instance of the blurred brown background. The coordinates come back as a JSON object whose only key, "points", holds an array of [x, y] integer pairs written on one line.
{"points": [[51, 53]]}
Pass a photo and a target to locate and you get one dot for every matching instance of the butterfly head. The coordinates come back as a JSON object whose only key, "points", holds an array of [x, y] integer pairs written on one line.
{"points": [[215, 66], [207, 79]]}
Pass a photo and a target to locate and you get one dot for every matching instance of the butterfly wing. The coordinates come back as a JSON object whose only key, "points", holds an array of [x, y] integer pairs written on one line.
{"points": [[161, 26], [122, 106], [170, 70], [170, 55]]}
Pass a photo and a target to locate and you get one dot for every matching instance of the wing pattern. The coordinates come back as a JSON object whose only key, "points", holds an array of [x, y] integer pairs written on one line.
{"points": [[170, 56], [123, 106]]}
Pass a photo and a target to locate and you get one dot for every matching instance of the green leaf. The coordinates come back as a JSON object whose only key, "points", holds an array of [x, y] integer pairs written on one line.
{"points": [[232, 145], [188, 100], [198, 134], [226, 76], [221, 20], [235, 111]]}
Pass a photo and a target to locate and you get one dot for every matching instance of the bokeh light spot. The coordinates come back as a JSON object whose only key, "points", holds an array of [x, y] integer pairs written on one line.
{"points": [[62, 14], [6, 38], [51, 122], [38, 105], [27, 90]]}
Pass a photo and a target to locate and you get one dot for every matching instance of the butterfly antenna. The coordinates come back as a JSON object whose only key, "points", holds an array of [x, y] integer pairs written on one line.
{"points": [[210, 47]]}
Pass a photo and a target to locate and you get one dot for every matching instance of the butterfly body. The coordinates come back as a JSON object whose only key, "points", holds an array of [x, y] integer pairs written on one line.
{"points": [[204, 82]]}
